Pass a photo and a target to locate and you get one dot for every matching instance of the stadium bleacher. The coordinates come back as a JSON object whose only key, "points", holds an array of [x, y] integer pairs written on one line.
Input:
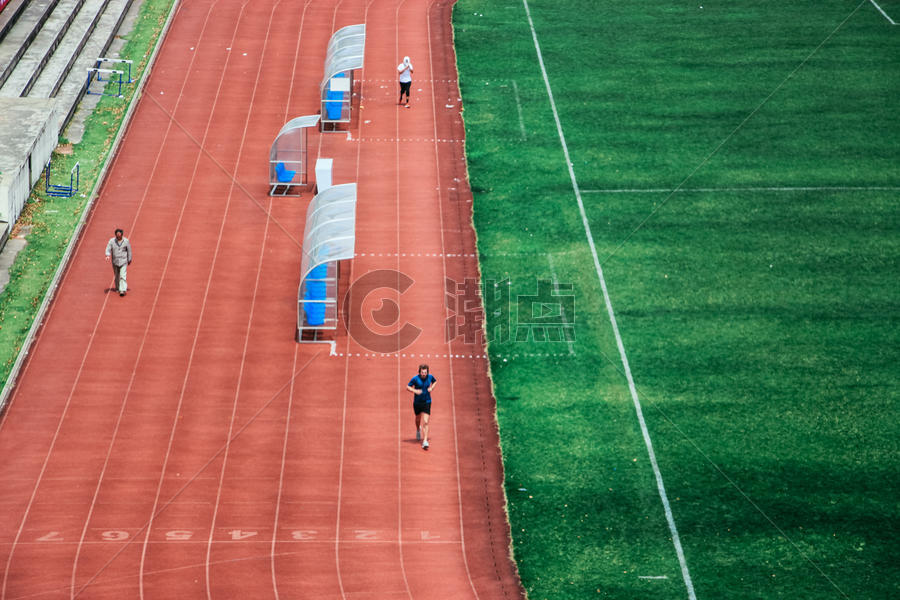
{"points": [[46, 47]]}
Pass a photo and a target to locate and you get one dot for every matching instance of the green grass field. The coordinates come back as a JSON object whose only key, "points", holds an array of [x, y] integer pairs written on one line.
{"points": [[740, 173]]}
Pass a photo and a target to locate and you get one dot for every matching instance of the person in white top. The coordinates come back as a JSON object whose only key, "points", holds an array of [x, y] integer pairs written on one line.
{"points": [[405, 70]]}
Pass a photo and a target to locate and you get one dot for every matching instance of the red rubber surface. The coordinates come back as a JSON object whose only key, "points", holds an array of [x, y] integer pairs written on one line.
{"points": [[178, 443]]}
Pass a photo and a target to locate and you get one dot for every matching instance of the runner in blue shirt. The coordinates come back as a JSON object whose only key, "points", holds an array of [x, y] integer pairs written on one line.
{"points": [[421, 386]]}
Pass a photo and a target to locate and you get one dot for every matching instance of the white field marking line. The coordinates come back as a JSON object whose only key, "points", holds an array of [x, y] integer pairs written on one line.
{"points": [[464, 255], [46, 309], [287, 105], [187, 372], [284, 449], [749, 500], [321, 137], [51, 448], [226, 561], [652, 577], [112, 442], [519, 106], [251, 312], [416, 254], [818, 188], [340, 490], [569, 343], [676, 540], [256, 540], [590, 240], [410, 355], [398, 378], [535, 355], [290, 95], [437, 355], [232, 177], [170, 570], [728, 137], [196, 476], [440, 197], [409, 140], [148, 525], [884, 14], [150, 316], [418, 80], [56, 434]]}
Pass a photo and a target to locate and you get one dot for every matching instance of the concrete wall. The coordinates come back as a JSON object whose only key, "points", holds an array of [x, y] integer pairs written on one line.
{"points": [[23, 157]]}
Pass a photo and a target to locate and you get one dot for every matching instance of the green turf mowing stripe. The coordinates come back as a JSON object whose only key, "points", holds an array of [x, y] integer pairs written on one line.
{"points": [[757, 302], [670, 519]]}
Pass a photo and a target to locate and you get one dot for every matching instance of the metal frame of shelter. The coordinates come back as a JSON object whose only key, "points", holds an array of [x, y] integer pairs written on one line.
{"points": [[288, 157], [329, 238], [345, 54]]}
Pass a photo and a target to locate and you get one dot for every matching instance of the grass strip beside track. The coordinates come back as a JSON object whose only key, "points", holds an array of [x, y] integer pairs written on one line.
{"points": [[760, 324]]}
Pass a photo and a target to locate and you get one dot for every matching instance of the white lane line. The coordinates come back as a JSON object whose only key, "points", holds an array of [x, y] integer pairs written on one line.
{"points": [[884, 14], [172, 431], [398, 164], [344, 399], [453, 418], [249, 327], [816, 188], [273, 554], [676, 540], [409, 140]]}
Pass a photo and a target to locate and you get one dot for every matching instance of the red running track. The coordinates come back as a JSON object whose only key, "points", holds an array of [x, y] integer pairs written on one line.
{"points": [[177, 442]]}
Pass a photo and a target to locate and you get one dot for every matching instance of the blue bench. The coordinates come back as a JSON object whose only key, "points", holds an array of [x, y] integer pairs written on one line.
{"points": [[315, 291], [334, 102], [284, 175]]}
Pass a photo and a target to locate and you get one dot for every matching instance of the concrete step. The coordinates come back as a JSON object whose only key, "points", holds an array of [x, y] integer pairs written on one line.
{"points": [[21, 33], [41, 49], [51, 78], [98, 45], [9, 14]]}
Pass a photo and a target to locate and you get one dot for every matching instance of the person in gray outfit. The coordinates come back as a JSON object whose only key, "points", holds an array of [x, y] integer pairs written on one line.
{"points": [[118, 252]]}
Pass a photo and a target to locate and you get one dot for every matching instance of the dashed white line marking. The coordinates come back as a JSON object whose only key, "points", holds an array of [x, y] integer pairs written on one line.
{"points": [[670, 519], [819, 188]]}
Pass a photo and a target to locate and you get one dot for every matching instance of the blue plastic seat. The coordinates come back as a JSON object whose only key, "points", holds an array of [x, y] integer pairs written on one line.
{"points": [[315, 290], [315, 313], [284, 175], [334, 102]]}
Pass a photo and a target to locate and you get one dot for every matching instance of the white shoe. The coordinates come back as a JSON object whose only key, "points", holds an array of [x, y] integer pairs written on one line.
{"points": [[424, 445]]}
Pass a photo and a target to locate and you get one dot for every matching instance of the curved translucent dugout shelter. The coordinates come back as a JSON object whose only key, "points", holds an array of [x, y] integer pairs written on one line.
{"points": [[329, 238], [288, 157], [344, 56]]}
